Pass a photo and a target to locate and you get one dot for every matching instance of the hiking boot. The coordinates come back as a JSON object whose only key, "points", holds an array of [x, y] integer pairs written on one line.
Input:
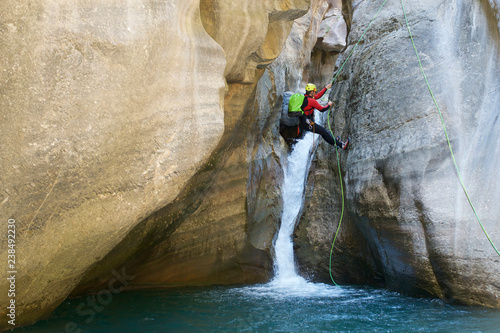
{"points": [[345, 144], [339, 142]]}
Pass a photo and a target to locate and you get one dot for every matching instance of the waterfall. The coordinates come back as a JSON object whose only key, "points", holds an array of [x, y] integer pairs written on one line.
{"points": [[295, 171], [286, 282]]}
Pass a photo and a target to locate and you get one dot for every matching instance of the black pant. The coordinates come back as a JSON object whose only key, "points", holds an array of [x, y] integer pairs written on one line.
{"points": [[321, 131]]}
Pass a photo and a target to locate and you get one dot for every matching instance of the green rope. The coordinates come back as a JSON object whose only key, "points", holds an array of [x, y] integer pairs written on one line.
{"points": [[341, 215], [336, 150], [446, 133]]}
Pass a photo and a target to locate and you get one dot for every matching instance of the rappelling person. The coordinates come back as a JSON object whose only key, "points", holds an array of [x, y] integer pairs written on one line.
{"points": [[306, 113]]}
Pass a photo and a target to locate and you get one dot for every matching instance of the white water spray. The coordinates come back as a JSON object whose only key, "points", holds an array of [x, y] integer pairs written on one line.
{"points": [[287, 283], [296, 170]]}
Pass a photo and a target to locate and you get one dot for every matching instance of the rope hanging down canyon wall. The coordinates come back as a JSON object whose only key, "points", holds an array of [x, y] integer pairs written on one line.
{"points": [[336, 150], [442, 121], [446, 133]]}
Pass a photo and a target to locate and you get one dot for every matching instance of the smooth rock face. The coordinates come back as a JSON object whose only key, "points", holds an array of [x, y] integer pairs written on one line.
{"points": [[107, 110], [419, 234], [227, 236], [246, 30], [127, 159], [333, 30]]}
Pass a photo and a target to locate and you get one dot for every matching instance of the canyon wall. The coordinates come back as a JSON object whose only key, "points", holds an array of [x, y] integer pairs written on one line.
{"points": [[408, 223], [98, 104], [147, 138], [128, 133]]}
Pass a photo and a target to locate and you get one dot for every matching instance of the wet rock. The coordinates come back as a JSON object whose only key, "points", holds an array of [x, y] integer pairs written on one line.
{"points": [[403, 196]]}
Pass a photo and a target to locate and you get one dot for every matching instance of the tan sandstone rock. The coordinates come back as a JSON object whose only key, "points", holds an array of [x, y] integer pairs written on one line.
{"points": [[220, 227], [228, 236], [107, 110]]}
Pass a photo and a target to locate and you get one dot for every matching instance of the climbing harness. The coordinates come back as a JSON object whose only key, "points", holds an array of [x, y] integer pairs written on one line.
{"points": [[446, 134], [444, 128], [336, 150]]}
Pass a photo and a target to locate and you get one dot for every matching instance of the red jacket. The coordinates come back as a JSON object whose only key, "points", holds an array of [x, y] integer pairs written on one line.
{"points": [[312, 104]]}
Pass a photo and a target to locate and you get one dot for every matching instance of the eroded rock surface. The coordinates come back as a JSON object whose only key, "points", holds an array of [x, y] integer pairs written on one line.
{"points": [[99, 104], [228, 236], [419, 234], [124, 144]]}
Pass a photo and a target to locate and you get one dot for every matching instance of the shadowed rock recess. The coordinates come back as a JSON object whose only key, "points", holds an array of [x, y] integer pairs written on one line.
{"points": [[146, 138]]}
